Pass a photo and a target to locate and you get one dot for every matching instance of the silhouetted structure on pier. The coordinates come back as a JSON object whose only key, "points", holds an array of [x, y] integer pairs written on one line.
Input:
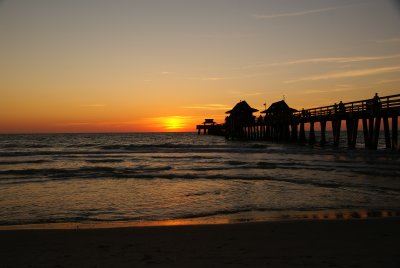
{"points": [[282, 123], [210, 127], [240, 117], [278, 118]]}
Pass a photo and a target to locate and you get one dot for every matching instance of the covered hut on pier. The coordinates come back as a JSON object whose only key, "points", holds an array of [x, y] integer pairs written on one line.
{"points": [[279, 117], [239, 117]]}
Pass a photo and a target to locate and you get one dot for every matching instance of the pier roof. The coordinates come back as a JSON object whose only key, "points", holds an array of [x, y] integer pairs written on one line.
{"points": [[279, 106], [242, 107]]}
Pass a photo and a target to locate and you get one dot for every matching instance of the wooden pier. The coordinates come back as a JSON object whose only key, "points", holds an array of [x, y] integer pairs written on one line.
{"points": [[210, 127], [282, 123]]}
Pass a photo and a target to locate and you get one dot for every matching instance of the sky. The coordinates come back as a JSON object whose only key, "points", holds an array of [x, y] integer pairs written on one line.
{"points": [[165, 65]]}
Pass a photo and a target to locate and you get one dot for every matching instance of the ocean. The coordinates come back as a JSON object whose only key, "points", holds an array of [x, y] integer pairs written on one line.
{"points": [[154, 177]]}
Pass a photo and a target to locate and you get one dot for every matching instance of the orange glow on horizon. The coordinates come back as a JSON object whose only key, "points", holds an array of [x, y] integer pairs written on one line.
{"points": [[174, 123], [59, 124]]}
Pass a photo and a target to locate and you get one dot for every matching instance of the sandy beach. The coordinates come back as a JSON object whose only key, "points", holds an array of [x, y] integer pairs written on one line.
{"points": [[311, 243]]}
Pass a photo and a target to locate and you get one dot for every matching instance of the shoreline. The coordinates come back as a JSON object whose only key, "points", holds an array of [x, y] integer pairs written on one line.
{"points": [[236, 218], [310, 243]]}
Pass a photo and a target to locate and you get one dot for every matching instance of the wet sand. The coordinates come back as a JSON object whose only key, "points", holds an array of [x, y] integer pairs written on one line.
{"points": [[311, 243]]}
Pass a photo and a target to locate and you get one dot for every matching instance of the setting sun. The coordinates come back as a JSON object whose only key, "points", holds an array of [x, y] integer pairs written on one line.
{"points": [[174, 122]]}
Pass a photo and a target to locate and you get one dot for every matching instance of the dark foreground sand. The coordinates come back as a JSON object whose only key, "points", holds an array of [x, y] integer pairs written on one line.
{"points": [[336, 243]]}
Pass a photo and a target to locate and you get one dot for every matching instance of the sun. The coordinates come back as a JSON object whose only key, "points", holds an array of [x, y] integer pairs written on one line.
{"points": [[174, 123]]}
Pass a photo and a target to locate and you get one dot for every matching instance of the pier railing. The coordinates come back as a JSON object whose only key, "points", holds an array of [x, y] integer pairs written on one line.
{"points": [[368, 105]]}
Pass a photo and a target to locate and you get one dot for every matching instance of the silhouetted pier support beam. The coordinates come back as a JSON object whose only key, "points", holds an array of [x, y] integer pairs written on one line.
{"points": [[366, 132], [323, 133], [264, 132], [371, 131], [201, 127], [294, 131], [395, 132], [371, 128], [352, 128], [336, 125], [377, 128], [387, 131], [355, 132], [312, 133], [302, 135], [268, 131]]}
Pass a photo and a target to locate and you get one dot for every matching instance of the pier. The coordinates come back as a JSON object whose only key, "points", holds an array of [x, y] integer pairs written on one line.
{"points": [[210, 127], [282, 123]]}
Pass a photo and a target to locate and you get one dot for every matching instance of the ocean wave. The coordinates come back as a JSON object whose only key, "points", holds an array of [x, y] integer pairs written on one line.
{"points": [[84, 145], [235, 163], [217, 192], [163, 145], [104, 217], [292, 209], [112, 160], [233, 148], [9, 145], [163, 172], [185, 147], [82, 172], [24, 146], [133, 149], [46, 153], [22, 162], [194, 157]]}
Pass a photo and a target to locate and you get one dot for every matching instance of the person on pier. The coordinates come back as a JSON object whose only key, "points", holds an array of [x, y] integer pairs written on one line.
{"points": [[335, 108], [342, 109], [374, 104], [377, 101]]}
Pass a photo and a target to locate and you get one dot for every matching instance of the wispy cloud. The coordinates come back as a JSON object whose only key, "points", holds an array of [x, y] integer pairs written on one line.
{"points": [[389, 40], [222, 78], [351, 59], [338, 88], [342, 59], [348, 74], [295, 14], [106, 123], [254, 93], [384, 81], [246, 93], [232, 77]]}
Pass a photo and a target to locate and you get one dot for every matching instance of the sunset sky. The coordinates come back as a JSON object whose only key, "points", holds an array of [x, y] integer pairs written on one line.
{"points": [[165, 65]]}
